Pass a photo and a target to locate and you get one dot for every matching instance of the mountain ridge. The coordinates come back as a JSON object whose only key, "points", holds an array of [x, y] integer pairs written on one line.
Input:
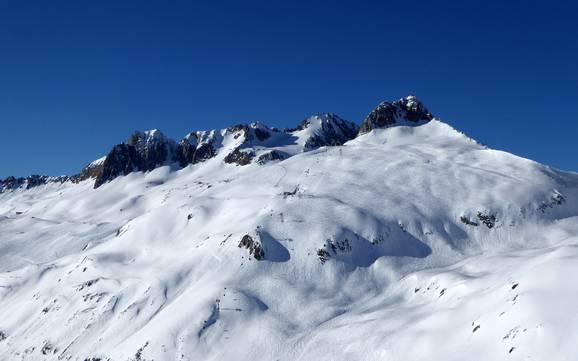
{"points": [[147, 150]]}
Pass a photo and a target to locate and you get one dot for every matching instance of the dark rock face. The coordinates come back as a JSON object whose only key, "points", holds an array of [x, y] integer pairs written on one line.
{"points": [[261, 134], [334, 131], [239, 157], [271, 156], [185, 153], [122, 160], [255, 248], [404, 111], [90, 171], [467, 221], [153, 149], [35, 180], [204, 152], [251, 132], [143, 152], [194, 148]]}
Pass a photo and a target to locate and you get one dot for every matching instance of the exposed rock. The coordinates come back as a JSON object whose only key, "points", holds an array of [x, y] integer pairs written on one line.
{"points": [[261, 134], [332, 248], [291, 193], [251, 132], [48, 348], [196, 147], [144, 151], [93, 170], [185, 153], [35, 180], [323, 255], [406, 111], [255, 248], [469, 222], [152, 147], [331, 130], [271, 156], [203, 152], [488, 219], [122, 160], [138, 355], [239, 157], [555, 200]]}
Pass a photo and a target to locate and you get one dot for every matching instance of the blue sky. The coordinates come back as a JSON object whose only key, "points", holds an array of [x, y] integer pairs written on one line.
{"points": [[77, 77]]}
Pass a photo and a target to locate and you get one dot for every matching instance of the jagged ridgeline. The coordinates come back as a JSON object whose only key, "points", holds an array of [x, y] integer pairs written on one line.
{"points": [[241, 145]]}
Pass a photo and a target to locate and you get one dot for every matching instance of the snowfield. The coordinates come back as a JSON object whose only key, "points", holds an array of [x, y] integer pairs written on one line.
{"points": [[410, 242]]}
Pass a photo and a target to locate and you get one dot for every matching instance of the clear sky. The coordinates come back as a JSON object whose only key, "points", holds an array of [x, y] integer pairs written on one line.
{"points": [[77, 77]]}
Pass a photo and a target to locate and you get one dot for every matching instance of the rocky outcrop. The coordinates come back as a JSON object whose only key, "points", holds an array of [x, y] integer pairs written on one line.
{"points": [[271, 156], [555, 199], [240, 157], [465, 220], [35, 180], [122, 160], [185, 153], [191, 151], [93, 170], [328, 129], [332, 248], [251, 132], [489, 220], [255, 248], [406, 111], [152, 147], [144, 151]]}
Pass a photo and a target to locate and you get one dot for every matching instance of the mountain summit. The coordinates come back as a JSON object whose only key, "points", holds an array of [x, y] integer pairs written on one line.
{"points": [[405, 111]]}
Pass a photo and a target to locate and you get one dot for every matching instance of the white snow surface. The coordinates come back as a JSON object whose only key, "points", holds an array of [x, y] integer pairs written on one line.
{"points": [[148, 266]]}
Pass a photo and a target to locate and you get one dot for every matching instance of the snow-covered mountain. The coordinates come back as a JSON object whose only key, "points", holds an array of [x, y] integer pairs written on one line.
{"points": [[401, 239]]}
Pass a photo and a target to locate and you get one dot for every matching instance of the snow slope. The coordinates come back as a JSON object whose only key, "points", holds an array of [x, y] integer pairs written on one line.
{"points": [[410, 242]]}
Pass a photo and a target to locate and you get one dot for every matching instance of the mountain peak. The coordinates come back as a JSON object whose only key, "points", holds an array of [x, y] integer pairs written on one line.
{"points": [[141, 139], [405, 111], [327, 129]]}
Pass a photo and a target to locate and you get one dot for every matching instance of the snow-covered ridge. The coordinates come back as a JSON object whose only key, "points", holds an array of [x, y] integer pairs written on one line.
{"points": [[409, 242], [241, 144]]}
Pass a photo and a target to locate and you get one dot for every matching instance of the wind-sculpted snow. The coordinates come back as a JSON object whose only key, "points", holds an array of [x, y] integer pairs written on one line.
{"points": [[378, 249]]}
